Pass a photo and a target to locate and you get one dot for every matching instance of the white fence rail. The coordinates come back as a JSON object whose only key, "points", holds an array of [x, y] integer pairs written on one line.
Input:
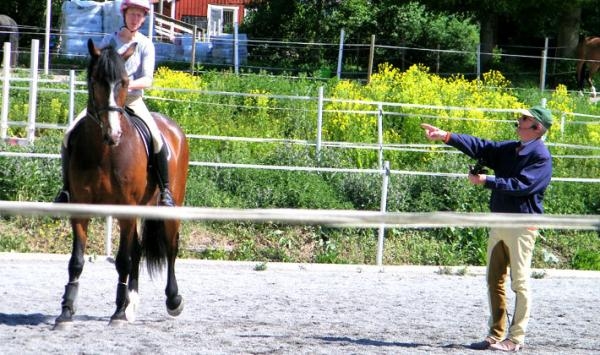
{"points": [[334, 218]]}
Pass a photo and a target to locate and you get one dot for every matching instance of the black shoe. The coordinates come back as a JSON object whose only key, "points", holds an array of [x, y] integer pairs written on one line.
{"points": [[62, 197], [483, 345], [166, 199]]}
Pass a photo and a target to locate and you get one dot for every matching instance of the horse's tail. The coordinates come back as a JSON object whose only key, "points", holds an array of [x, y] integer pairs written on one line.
{"points": [[154, 245]]}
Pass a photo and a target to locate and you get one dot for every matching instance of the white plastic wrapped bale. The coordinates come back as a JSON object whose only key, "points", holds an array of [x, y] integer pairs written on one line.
{"points": [[223, 47], [112, 18], [81, 20], [202, 49], [165, 51]]}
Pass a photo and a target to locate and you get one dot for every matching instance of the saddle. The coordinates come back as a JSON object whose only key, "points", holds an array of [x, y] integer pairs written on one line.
{"points": [[143, 131]]}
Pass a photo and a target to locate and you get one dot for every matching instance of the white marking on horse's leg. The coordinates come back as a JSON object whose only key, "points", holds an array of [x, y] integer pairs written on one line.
{"points": [[593, 91], [134, 303]]}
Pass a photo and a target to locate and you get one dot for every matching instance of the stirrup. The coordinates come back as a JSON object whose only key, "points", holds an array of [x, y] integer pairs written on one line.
{"points": [[166, 199], [62, 197]]}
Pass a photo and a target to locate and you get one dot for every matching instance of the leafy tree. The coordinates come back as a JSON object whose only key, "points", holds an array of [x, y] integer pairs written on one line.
{"points": [[393, 22], [31, 16], [413, 25], [528, 21]]}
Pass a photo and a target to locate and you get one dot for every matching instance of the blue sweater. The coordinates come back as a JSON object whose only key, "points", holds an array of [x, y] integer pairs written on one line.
{"points": [[521, 177]]}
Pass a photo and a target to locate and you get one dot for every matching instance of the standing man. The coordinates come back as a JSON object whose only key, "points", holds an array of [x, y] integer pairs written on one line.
{"points": [[523, 169]]}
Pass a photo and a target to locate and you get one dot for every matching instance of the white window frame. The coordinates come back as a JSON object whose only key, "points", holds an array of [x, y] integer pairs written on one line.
{"points": [[215, 27]]}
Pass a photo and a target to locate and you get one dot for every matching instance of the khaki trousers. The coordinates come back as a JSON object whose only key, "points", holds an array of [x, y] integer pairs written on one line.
{"points": [[136, 103], [509, 247]]}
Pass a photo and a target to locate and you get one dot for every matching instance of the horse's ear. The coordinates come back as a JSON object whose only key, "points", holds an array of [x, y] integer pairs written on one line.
{"points": [[94, 52], [129, 52]]}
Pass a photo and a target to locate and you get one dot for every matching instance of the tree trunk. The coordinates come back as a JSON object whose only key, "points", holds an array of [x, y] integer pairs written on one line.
{"points": [[488, 38], [568, 32]]}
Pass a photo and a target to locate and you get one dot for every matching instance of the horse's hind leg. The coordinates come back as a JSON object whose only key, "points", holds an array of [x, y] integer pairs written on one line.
{"points": [[580, 76], [593, 68], [174, 300], [123, 264], [68, 304]]}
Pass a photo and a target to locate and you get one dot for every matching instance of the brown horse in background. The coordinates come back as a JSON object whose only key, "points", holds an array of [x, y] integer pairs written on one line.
{"points": [[588, 53], [109, 164]]}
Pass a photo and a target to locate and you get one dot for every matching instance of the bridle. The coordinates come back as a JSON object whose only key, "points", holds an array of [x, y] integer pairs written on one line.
{"points": [[95, 112]]}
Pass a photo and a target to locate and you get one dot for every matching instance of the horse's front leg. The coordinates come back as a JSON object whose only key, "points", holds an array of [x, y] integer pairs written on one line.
{"points": [[136, 256], [65, 319], [124, 265]]}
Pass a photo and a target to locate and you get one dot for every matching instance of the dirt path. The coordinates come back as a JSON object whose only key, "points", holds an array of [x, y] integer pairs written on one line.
{"points": [[286, 309]]}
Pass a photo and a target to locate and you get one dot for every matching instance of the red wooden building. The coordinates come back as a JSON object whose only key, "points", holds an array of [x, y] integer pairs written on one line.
{"points": [[212, 16]]}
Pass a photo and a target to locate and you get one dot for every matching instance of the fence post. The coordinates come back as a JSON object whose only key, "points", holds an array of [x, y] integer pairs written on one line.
{"points": [[71, 96], [33, 89], [193, 60], [47, 37], [5, 90], [437, 64], [151, 24], [319, 119], [236, 48], [371, 58], [478, 61], [383, 207], [340, 55], [380, 134], [543, 68], [108, 236]]}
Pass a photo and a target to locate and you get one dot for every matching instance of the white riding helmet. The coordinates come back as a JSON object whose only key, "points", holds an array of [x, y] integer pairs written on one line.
{"points": [[142, 4]]}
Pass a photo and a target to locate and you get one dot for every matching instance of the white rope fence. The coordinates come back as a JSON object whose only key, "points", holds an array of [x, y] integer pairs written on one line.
{"points": [[310, 169], [335, 218]]}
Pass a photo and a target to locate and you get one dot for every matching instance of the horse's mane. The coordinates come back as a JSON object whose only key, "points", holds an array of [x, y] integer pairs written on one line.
{"points": [[109, 65]]}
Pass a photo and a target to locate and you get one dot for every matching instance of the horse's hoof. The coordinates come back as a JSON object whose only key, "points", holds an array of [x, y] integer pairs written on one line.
{"points": [[65, 320], [118, 319], [175, 310], [117, 323], [131, 310], [63, 325]]}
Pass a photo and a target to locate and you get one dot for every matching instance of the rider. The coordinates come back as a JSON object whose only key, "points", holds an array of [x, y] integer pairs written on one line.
{"points": [[140, 67]]}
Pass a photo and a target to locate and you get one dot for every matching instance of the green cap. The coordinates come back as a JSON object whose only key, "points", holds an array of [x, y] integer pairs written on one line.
{"points": [[540, 114]]}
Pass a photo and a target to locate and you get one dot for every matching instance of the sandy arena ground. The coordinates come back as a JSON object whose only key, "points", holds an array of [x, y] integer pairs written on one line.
{"points": [[230, 308]]}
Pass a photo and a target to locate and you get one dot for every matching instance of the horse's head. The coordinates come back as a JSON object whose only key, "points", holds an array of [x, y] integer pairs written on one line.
{"points": [[107, 90]]}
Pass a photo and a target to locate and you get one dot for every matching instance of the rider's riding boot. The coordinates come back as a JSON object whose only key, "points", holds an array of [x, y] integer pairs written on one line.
{"points": [[162, 170], [63, 195]]}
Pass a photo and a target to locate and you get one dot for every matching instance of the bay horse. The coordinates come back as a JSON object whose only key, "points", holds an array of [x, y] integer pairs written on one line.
{"points": [[109, 164], [588, 54]]}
